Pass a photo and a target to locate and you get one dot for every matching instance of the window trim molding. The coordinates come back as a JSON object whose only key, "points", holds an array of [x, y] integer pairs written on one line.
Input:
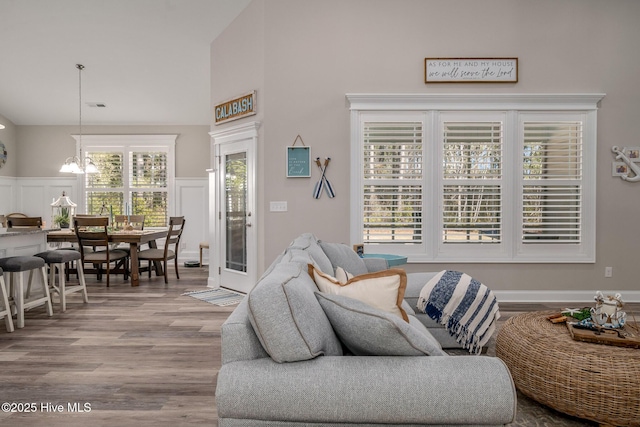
{"points": [[475, 101], [165, 141], [512, 104]]}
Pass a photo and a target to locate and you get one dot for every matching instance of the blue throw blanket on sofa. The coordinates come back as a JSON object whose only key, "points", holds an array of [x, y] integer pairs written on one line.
{"points": [[466, 308]]}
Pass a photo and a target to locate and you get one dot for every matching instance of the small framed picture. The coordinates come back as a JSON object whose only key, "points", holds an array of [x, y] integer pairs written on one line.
{"points": [[359, 249], [298, 162], [620, 169], [633, 153]]}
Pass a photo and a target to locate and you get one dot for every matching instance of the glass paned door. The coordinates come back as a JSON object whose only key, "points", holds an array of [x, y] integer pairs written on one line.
{"points": [[236, 211], [235, 220]]}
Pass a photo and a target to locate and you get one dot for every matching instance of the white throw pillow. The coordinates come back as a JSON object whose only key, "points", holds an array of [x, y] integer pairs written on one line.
{"points": [[383, 290]]}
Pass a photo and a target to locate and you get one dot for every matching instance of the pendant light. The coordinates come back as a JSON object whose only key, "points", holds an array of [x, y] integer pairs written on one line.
{"points": [[78, 164]]}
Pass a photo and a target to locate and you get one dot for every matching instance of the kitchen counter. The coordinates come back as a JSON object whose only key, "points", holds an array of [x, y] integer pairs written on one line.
{"points": [[22, 242]]}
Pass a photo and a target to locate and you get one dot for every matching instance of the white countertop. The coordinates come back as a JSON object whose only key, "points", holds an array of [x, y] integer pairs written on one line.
{"points": [[5, 232]]}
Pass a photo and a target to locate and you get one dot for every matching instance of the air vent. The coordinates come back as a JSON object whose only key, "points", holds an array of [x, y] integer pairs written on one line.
{"points": [[96, 104]]}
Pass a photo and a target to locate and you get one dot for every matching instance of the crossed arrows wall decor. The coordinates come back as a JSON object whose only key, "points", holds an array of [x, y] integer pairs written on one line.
{"points": [[323, 182]]}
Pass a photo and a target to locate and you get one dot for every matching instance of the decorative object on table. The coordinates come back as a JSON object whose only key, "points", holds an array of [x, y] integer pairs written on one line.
{"points": [[104, 211], [557, 318], [298, 160], [607, 313], [3, 154], [62, 210], [323, 182], [578, 313], [587, 331], [626, 161], [79, 164]]}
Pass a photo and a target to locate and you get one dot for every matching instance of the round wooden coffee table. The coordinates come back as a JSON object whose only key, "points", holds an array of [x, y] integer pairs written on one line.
{"points": [[591, 381]]}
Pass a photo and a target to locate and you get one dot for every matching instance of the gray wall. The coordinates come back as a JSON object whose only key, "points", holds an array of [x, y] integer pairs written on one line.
{"points": [[41, 150], [303, 56]]}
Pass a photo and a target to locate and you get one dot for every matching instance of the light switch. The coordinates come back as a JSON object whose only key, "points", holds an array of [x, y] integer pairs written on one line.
{"points": [[278, 206]]}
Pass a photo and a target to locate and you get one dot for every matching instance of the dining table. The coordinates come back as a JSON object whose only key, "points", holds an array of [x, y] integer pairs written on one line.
{"points": [[135, 238]]}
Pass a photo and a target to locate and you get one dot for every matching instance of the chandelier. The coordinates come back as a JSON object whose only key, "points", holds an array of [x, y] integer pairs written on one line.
{"points": [[78, 164]]}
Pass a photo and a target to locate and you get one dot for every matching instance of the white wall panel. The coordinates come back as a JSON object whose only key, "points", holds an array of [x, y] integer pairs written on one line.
{"points": [[35, 195], [192, 202], [7, 195]]}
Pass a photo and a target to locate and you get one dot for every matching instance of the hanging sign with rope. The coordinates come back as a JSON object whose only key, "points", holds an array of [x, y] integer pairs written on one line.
{"points": [[298, 160]]}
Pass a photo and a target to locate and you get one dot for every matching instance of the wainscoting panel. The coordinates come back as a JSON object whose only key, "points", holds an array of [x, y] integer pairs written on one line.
{"points": [[192, 202], [7, 195], [33, 196]]}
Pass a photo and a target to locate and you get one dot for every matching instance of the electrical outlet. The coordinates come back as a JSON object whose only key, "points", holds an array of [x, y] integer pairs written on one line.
{"points": [[278, 206], [608, 272], [183, 245]]}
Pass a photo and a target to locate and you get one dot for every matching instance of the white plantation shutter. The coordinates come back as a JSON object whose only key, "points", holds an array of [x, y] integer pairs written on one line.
{"points": [[452, 178], [552, 182], [393, 182], [107, 187], [472, 173], [148, 178]]}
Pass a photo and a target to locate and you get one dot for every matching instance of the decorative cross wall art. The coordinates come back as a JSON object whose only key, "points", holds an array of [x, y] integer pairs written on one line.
{"points": [[627, 163]]}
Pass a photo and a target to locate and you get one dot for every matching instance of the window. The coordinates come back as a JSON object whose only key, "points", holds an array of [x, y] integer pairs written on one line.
{"points": [[136, 176], [475, 178], [393, 181]]}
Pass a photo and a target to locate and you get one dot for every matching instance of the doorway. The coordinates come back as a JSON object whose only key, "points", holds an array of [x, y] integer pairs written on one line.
{"points": [[234, 234]]}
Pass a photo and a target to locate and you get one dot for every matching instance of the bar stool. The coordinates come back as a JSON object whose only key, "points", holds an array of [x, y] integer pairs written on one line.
{"points": [[58, 259], [16, 266], [6, 309]]}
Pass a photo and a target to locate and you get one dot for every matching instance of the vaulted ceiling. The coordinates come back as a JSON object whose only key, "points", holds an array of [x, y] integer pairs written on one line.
{"points": [[147, 61]]}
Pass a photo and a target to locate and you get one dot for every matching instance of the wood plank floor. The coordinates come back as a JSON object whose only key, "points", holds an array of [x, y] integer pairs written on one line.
{"points": [[144, 356]]}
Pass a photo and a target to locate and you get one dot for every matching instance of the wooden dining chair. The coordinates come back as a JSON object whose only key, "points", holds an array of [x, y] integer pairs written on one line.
{"points": [[123, 222], [176, 226], [91, 232], [24, 223], [135, 221], [3, 218]]}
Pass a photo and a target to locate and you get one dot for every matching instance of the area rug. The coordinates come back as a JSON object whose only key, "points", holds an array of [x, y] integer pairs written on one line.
{"points": [[221, 297]]}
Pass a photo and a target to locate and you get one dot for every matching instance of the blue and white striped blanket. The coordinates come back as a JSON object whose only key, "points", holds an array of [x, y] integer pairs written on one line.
{"points": [[466, 308]]}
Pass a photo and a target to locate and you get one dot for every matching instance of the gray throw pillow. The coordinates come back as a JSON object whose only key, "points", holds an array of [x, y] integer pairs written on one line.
{"points": [[343, 256], [287, 318], [310, 243], [367, 331]]}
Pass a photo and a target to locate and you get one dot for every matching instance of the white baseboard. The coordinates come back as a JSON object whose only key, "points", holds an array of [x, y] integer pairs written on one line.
{"points": [[582, 297]]}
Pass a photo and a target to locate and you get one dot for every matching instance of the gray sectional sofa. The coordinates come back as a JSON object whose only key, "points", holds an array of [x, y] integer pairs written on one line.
{"points": [[292, 356]]}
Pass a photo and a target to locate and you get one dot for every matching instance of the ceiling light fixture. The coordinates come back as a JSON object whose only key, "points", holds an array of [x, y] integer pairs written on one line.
{"points": [[79, 164]]}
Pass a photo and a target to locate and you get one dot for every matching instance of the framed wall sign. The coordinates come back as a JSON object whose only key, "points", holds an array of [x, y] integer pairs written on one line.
{"points": [[298, 162], [471, 70], [235, 108]]}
